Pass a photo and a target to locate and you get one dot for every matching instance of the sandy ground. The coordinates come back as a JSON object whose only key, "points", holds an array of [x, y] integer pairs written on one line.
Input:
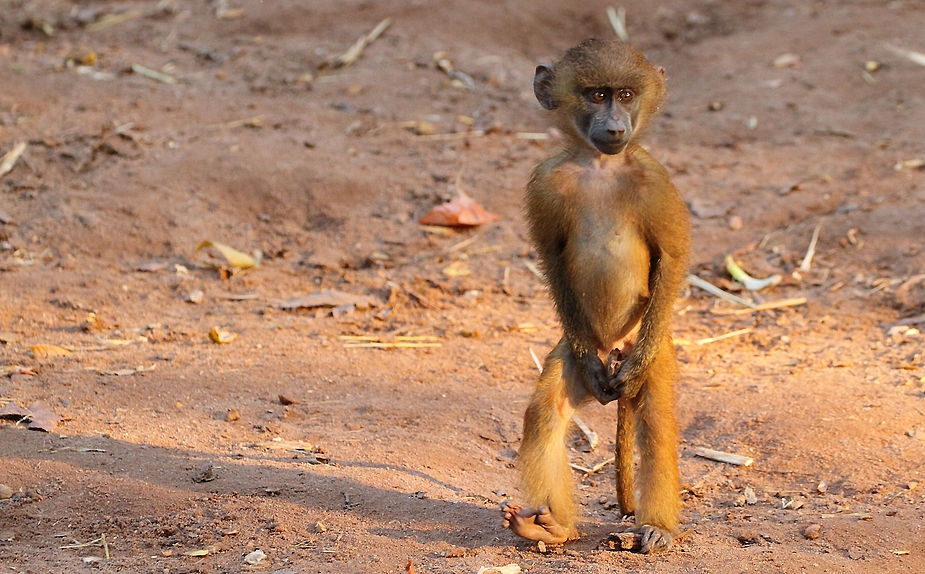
{"points": [[184, 455]]}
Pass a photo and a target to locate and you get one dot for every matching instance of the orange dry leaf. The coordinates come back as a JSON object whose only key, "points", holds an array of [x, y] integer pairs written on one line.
{"points": [[46, 351], [461, 211]]}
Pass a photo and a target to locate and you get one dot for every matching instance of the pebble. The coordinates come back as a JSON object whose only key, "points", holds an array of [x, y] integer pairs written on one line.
{"points": [[812, 532]]}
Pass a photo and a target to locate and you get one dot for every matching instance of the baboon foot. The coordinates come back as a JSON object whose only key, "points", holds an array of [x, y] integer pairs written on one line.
{"points": [[538, 524]]}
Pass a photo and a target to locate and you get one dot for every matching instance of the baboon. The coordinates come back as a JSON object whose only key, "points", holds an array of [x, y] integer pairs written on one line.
{"points": [[613, 238]]}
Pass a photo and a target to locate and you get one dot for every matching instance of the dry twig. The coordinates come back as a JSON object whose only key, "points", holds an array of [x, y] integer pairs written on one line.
{"points": [[353, 53], [9, 160], [721, 456], [153, 74], [714, 290]]}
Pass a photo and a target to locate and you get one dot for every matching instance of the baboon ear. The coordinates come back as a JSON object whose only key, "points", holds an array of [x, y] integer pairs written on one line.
{"points": [[660, 71], [542, 87]]}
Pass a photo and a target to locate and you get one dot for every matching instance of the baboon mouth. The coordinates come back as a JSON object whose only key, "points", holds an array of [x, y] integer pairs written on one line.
{"points": [[610, 147]]}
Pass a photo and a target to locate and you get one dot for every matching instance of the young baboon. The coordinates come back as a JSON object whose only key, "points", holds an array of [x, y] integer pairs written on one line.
{"points": [[613, 238]]}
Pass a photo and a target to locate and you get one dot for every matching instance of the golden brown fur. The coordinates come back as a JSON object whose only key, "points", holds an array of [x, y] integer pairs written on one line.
{"points": [[612, 235]]}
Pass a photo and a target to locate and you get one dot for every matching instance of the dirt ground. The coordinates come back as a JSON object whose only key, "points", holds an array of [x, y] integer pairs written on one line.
{"points": [[184, 455]]}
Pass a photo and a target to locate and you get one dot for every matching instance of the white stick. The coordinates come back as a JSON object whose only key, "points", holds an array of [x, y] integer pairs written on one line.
{"points": [[721, 456], [808, 260], [714, 290]]}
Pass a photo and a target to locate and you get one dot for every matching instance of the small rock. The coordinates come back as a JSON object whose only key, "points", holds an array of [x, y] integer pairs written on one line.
{"points": [[917, 434], [255, 557], [749, 538], [284, 400], [750, 497], [623, 541], [5, 492], [205, 474], [812, 532], [195, 296], [232, 415], [735, 223]]}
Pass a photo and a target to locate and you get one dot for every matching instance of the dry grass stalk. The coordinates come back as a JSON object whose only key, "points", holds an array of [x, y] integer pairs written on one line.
{"points": [[597, 467], [153, 74], [810, 251], [452, 136], [463, 244], [912, 56], [792, 302], [115, 19], [403, 342], [618, 21], [354, 52], [728, 335], [9, 160], [590, 435], [534, 269], [392, 345]]}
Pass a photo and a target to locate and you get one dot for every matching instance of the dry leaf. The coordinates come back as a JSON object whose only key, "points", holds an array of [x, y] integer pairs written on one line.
{"points": [[461, 211], [221, 336], [42, 418], [328, 298], [13, 412], [92, 323], [47, 351], [457, 269], [916, 163], [233, 257], [787, 61], [197, 553]]}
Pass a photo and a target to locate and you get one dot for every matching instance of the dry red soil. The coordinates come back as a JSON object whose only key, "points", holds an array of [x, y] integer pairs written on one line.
{"points": [[388, 457]]}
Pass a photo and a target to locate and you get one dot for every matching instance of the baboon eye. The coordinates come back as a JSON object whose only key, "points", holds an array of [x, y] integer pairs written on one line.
{"points": [[626, 96], [598, 96]]}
